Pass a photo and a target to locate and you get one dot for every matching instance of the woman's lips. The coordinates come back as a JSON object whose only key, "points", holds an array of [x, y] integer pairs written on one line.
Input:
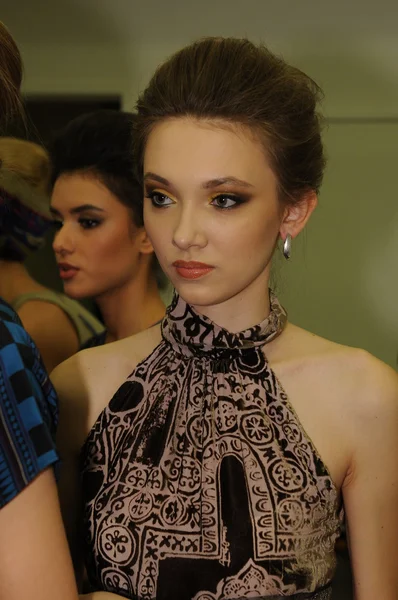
{"points": [[192, 269], [67, 271]]}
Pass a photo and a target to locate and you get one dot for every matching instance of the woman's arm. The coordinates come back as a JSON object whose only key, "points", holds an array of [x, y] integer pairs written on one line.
{"points": [[370, 490], [69, 383], [34, 558]]}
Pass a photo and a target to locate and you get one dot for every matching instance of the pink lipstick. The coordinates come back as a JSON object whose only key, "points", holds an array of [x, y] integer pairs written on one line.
{"points": [[191, 269], [67, 271]]}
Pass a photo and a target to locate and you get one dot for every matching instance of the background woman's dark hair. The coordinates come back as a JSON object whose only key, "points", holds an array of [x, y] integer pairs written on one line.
{"points": [[100, 144], [239, 82], [11, 71]]}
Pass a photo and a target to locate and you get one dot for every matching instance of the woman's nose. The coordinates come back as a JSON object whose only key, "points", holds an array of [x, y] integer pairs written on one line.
{"points": [[189, 231], [63, 241]]}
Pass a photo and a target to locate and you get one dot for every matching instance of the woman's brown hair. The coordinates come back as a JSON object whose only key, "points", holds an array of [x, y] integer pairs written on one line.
{"points": [[11, 71], [239, 83]]}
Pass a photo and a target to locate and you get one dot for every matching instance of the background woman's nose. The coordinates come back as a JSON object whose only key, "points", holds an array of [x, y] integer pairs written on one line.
{"points": [[63, 241]]}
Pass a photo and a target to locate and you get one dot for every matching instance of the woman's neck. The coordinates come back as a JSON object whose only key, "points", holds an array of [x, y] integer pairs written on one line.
{"points": [[130, 309], [15, 280], [247, 308]]}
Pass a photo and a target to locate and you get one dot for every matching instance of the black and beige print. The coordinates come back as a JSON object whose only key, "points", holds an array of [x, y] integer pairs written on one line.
{"points": [[199, 482]]}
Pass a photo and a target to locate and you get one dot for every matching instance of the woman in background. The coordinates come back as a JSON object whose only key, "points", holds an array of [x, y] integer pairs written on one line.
{"points": [[58, 325], [102, 249]]}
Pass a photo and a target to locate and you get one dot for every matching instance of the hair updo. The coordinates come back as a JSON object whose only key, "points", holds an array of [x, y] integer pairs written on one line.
{"points": [[240, 83]]}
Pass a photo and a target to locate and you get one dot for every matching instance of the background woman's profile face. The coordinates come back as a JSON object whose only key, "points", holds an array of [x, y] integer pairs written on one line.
{"points": [[97, 245], [210, 198]]}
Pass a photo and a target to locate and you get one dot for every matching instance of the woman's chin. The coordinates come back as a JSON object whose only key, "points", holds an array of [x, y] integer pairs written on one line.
{"points": [[76, 293], [200, 295]]}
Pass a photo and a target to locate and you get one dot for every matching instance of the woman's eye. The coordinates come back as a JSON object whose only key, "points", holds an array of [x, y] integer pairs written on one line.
{"points": [[159, 199], [57, 225], [89, 223], [226, 201]]}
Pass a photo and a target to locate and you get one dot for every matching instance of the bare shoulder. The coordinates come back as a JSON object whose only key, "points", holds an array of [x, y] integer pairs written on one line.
{"points": [[86, 382], [115, 361], [38, 313], [343, 396], [362, 381]]}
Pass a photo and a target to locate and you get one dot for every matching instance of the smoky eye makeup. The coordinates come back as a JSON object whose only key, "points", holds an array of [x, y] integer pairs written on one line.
{"points": [[221, 200], [159, 198], [228, 200], [89, 222]]}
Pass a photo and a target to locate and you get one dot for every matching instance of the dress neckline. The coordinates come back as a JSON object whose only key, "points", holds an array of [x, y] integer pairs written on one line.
{"points": [[194, 334]]}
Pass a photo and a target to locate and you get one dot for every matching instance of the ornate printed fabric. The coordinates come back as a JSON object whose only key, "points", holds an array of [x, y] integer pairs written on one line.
{"points": [[199, 482]]}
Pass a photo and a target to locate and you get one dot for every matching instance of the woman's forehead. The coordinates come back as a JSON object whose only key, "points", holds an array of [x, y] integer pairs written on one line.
{"points": [[205, 148]]}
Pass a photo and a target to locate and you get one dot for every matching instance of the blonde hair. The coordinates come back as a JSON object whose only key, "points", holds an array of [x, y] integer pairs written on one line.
{"points": [[11, 71], [28, 161]]}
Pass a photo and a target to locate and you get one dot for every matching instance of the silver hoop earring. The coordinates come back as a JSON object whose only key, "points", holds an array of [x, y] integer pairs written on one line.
{"points": [[287, 246]]}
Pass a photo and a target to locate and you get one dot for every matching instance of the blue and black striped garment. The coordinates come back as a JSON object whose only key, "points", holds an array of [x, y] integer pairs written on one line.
{"points": [[28, 409]]}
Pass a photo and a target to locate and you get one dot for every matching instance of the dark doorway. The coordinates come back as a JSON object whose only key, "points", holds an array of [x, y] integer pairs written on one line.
{"points": [[48, 114]]}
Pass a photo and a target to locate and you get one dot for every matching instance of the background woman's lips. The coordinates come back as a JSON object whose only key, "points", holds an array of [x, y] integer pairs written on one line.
{"points": [[67, 271]]}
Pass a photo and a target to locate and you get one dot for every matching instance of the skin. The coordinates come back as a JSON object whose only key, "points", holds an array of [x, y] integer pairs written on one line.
{"points": [[32, 535], [47, 324], [96, 234], [343, 397]]}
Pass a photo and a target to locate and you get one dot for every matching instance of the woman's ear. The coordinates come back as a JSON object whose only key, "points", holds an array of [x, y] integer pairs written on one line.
{"points": [[296, 215], [144, 243]]}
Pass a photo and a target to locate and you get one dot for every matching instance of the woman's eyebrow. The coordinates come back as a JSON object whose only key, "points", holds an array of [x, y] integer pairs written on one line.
{"points": [[77, 209], [226, 181], [154, 177], [212, 183]]}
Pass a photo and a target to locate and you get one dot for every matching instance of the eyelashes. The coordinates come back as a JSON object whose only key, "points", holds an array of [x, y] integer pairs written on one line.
{"points": [[158, 199], [89, 223], [227, 201], [223, 201], [57, 224], [85, 223]]}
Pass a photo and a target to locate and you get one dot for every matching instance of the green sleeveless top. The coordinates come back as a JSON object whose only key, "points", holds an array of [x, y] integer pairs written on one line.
{"points": [[85, 323]]}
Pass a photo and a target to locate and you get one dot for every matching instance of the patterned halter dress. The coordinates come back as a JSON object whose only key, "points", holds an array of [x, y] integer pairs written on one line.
{"points": [[199, 482]]}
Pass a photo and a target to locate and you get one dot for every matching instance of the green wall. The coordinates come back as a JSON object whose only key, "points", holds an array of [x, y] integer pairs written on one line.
{"points": [[342, 280]]}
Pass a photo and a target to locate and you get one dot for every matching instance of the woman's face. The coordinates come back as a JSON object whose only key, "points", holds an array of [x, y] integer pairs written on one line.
{"points": [[210, 198], [97, 245]]}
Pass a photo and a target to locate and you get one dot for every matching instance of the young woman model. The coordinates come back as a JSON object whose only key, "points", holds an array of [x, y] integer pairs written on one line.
{"points": [[222, 466], [102, 249], [34, 558], [57, 324]]}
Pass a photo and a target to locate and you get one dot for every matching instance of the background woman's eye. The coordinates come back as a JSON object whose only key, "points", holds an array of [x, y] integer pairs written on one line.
{"points": [[57, 224], [89, 223], [226, 201], [159, 199]]}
